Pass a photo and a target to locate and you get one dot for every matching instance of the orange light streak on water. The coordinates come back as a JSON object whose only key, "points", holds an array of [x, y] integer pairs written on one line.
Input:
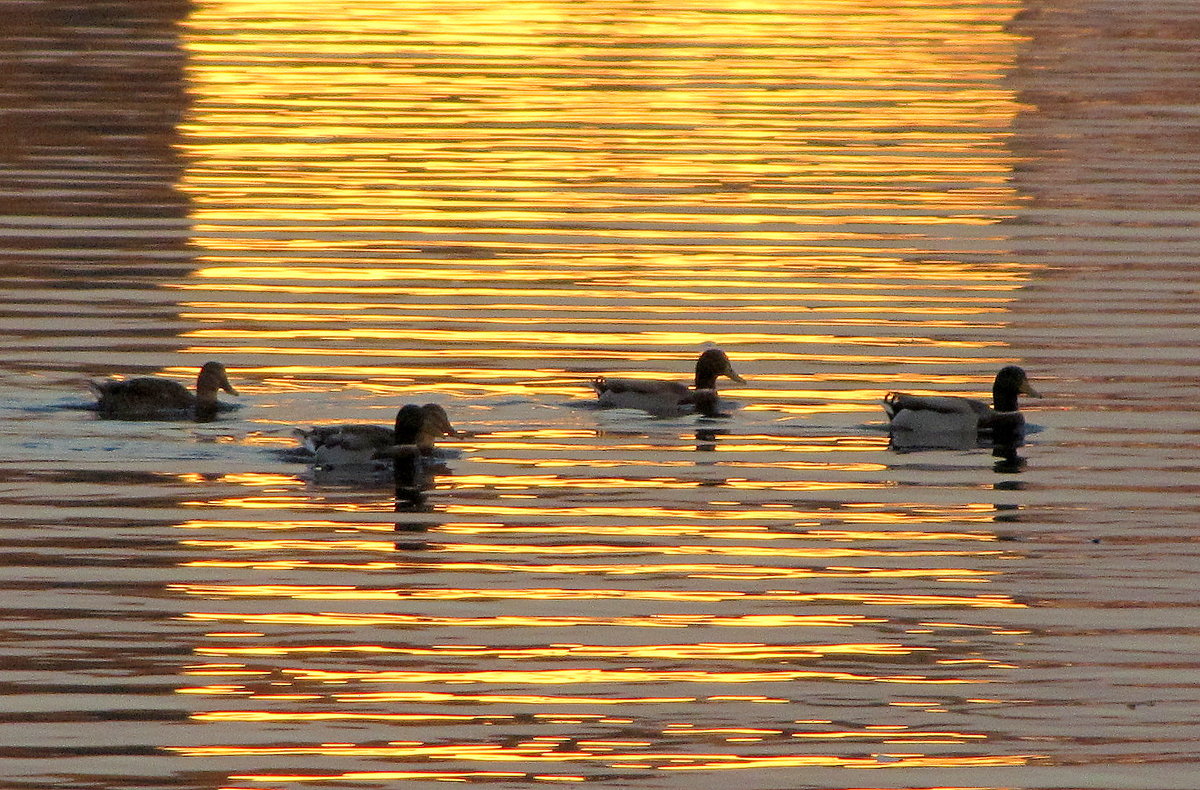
{"points": [[721, 652], [335, 593], [652, 621], [685, 570], [632, 675]]}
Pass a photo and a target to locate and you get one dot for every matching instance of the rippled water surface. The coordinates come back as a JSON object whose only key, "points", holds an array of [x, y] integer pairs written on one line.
{"points": [[356, 205]]}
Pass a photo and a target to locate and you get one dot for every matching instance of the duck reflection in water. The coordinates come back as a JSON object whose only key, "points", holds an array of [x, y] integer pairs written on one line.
{"points": [[1005, 441], [413, 467], [412, 477], [708, 404], [409, 472], [1008, 462]]}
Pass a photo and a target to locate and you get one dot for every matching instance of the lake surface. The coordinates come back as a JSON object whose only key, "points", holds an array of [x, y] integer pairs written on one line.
{"points": [[356, 205]]}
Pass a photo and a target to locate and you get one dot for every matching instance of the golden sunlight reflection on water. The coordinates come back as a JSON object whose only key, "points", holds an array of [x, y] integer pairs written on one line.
{"points": [[356, 205]]}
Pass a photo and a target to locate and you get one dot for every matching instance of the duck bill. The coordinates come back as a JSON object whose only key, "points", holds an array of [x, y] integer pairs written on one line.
{"points": [[225, 385], [1027, 389], [733, 376], [443, 425]]}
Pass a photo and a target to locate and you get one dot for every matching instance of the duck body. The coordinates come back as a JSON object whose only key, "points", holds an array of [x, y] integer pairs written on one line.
{"points": [[416, 428], [959, 416], [345, 445], [669, 398], [156, 398]]}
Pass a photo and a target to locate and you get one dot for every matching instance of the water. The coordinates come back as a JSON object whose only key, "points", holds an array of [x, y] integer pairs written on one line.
{"points": [[359, 205]]}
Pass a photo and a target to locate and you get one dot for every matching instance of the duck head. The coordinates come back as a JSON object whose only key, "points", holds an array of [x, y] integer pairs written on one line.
{"points": [[711, 364], [409, 422], [437, 422], [212, 378], [1011, 382]]}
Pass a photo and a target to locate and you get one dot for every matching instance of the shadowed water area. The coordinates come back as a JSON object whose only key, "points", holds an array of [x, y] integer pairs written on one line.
{"points": [[357, 205]]}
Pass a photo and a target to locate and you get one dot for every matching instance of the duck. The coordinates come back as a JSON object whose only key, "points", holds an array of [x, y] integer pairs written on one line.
{"points": [[154, 397], [955, 414], [418, 427], [666, 398]]}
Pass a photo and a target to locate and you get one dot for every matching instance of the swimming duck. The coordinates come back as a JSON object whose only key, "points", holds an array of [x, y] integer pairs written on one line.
{"points": [[664, 398], [354, 445], [154, 397], [955, 414]]}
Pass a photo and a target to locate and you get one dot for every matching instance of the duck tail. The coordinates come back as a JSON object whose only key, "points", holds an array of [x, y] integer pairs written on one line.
{"points": [[890, 402], [599, 385], [307, 437]]}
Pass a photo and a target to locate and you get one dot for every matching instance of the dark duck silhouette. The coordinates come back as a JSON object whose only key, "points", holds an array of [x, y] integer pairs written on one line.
{"points": [[154, 397], [667, 398], [334, 446], [930, 414]]}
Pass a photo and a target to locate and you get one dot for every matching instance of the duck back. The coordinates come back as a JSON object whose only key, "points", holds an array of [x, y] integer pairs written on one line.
{"points": [[143, 395]]}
